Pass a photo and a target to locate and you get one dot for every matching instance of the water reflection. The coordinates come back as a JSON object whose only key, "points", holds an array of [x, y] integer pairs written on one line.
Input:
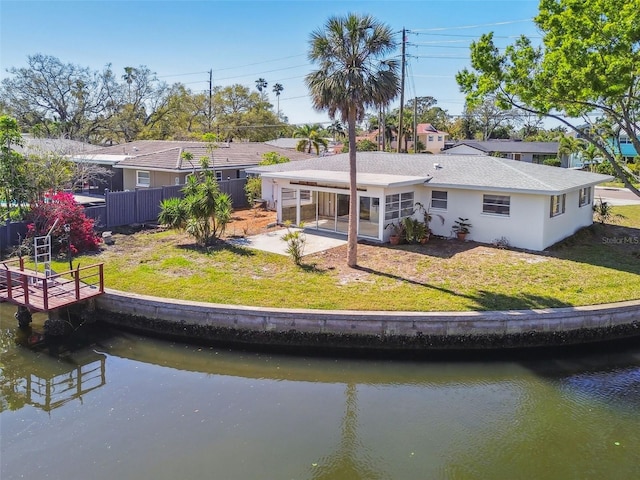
{"points": [[45, 375], [172, 410]]}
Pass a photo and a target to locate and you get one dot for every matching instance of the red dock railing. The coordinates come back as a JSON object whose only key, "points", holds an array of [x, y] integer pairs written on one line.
{"points": [[40, 292]]}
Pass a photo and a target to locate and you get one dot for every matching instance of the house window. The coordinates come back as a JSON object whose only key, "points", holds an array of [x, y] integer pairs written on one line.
{"points": [[398, 206], [439, 138], [496, 204], [218, 176], [585, 196], [557, 204], [430, 138], [439, 199], [143, 178]]}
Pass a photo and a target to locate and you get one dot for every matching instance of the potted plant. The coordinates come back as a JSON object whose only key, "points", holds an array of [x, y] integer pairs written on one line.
{"points": [[462, 227], [397, 232], [427, 216], [414, 230]]}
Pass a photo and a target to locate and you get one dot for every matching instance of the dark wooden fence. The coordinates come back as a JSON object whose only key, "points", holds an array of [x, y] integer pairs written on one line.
{"points": [[143, 205], [11, 234], [127, 208]]}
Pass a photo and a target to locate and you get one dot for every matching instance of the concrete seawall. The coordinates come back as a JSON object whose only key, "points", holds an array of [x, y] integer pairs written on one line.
{"points": [[207, 322]]}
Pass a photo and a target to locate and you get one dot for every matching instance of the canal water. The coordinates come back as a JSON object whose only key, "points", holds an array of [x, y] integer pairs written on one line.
{"points": [[115, 405]]}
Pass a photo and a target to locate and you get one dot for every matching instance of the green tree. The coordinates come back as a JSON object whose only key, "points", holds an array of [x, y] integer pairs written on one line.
{"points": [[365, 145], [273, 158], [570, 146], [62, 99], [13, 181], [204, 212], [336, 130], [587, 66], [352, 76], [311, 137]]}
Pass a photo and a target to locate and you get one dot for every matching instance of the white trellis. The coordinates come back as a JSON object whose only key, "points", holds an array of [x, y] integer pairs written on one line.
{"points": [[42, 250]]}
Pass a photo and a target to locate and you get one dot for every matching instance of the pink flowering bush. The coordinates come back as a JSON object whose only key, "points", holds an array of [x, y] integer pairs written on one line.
{"points": [[61, 206]]}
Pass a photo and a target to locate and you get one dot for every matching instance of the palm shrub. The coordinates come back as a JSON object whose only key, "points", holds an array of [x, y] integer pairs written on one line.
{"points": [[296, 240], [204, 212]]}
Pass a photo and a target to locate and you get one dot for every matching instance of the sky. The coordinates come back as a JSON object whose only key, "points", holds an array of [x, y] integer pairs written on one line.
{"points": [[242, 40]]}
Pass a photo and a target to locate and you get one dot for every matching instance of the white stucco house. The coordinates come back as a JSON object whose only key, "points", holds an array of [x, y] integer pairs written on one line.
{"points": [[531, 206]]}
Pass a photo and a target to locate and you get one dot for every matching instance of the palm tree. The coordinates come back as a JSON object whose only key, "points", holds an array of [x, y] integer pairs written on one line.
{"points": [[277, 88], [336, 129], [310, 138], [261, 84], [569, 146], [352, 76], [129, 76]]}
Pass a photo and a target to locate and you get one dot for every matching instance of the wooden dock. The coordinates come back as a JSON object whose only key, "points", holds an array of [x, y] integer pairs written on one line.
{"points": [[42, 293]]}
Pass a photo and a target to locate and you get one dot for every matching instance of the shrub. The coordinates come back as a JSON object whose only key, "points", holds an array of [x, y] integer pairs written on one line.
{"points": [[295, 243], [552, 162], [62, 207]]}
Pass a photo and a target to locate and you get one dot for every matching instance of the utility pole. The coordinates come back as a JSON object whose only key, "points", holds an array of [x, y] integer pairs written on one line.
{"points": [[404, 42], [415, 124], [210, 97]]}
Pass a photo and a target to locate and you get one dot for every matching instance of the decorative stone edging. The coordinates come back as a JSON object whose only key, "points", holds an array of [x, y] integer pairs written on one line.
{"points": [[202, 322]]}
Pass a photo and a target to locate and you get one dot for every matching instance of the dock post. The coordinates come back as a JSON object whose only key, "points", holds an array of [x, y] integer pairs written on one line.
{"points": [[23, 315], [54, 325]]}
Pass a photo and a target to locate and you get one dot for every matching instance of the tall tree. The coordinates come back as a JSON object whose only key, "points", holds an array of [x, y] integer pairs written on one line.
{"points": [[12, 164], [490, 118], [586, 71], [63, 99], [353, 75], [277, 89], [261, 84]]}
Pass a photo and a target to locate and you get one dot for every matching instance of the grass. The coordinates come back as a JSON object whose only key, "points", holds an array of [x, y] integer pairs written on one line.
{"points": [[597, 265]]}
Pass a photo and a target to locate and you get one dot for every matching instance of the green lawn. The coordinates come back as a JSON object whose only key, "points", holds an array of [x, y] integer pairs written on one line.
{"points": [[599, 265]]}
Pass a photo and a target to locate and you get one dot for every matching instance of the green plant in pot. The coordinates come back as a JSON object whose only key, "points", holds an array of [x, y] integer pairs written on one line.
{"points": [[414, 230], [427, 217], [462, 227], [397, 232]]}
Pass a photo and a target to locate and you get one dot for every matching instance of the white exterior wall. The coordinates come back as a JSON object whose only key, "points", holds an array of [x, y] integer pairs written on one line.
{"points": [[573, 219], [523, 227], [528, 225]]}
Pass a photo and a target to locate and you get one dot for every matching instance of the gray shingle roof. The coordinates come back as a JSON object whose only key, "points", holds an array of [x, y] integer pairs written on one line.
{"points": [[453, 171], [60, 146], [512, 146], [167, 155]]}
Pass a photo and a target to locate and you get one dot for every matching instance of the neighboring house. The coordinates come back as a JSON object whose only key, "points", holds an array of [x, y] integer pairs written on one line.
{"points": [[625, 148], [58, 146], [432, 138], [156, 163], [532, 152], [531, 206]]}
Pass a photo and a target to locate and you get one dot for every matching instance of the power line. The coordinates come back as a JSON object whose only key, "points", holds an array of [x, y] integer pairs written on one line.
{"points": [[481, 25]]}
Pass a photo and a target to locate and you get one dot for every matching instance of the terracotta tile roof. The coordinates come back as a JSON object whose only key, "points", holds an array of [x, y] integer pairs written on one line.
{"points": [[428, 128]]}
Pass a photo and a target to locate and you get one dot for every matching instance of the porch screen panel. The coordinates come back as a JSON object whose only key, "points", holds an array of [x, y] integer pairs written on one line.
{"points": [[309, 208], [289, 208]]}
